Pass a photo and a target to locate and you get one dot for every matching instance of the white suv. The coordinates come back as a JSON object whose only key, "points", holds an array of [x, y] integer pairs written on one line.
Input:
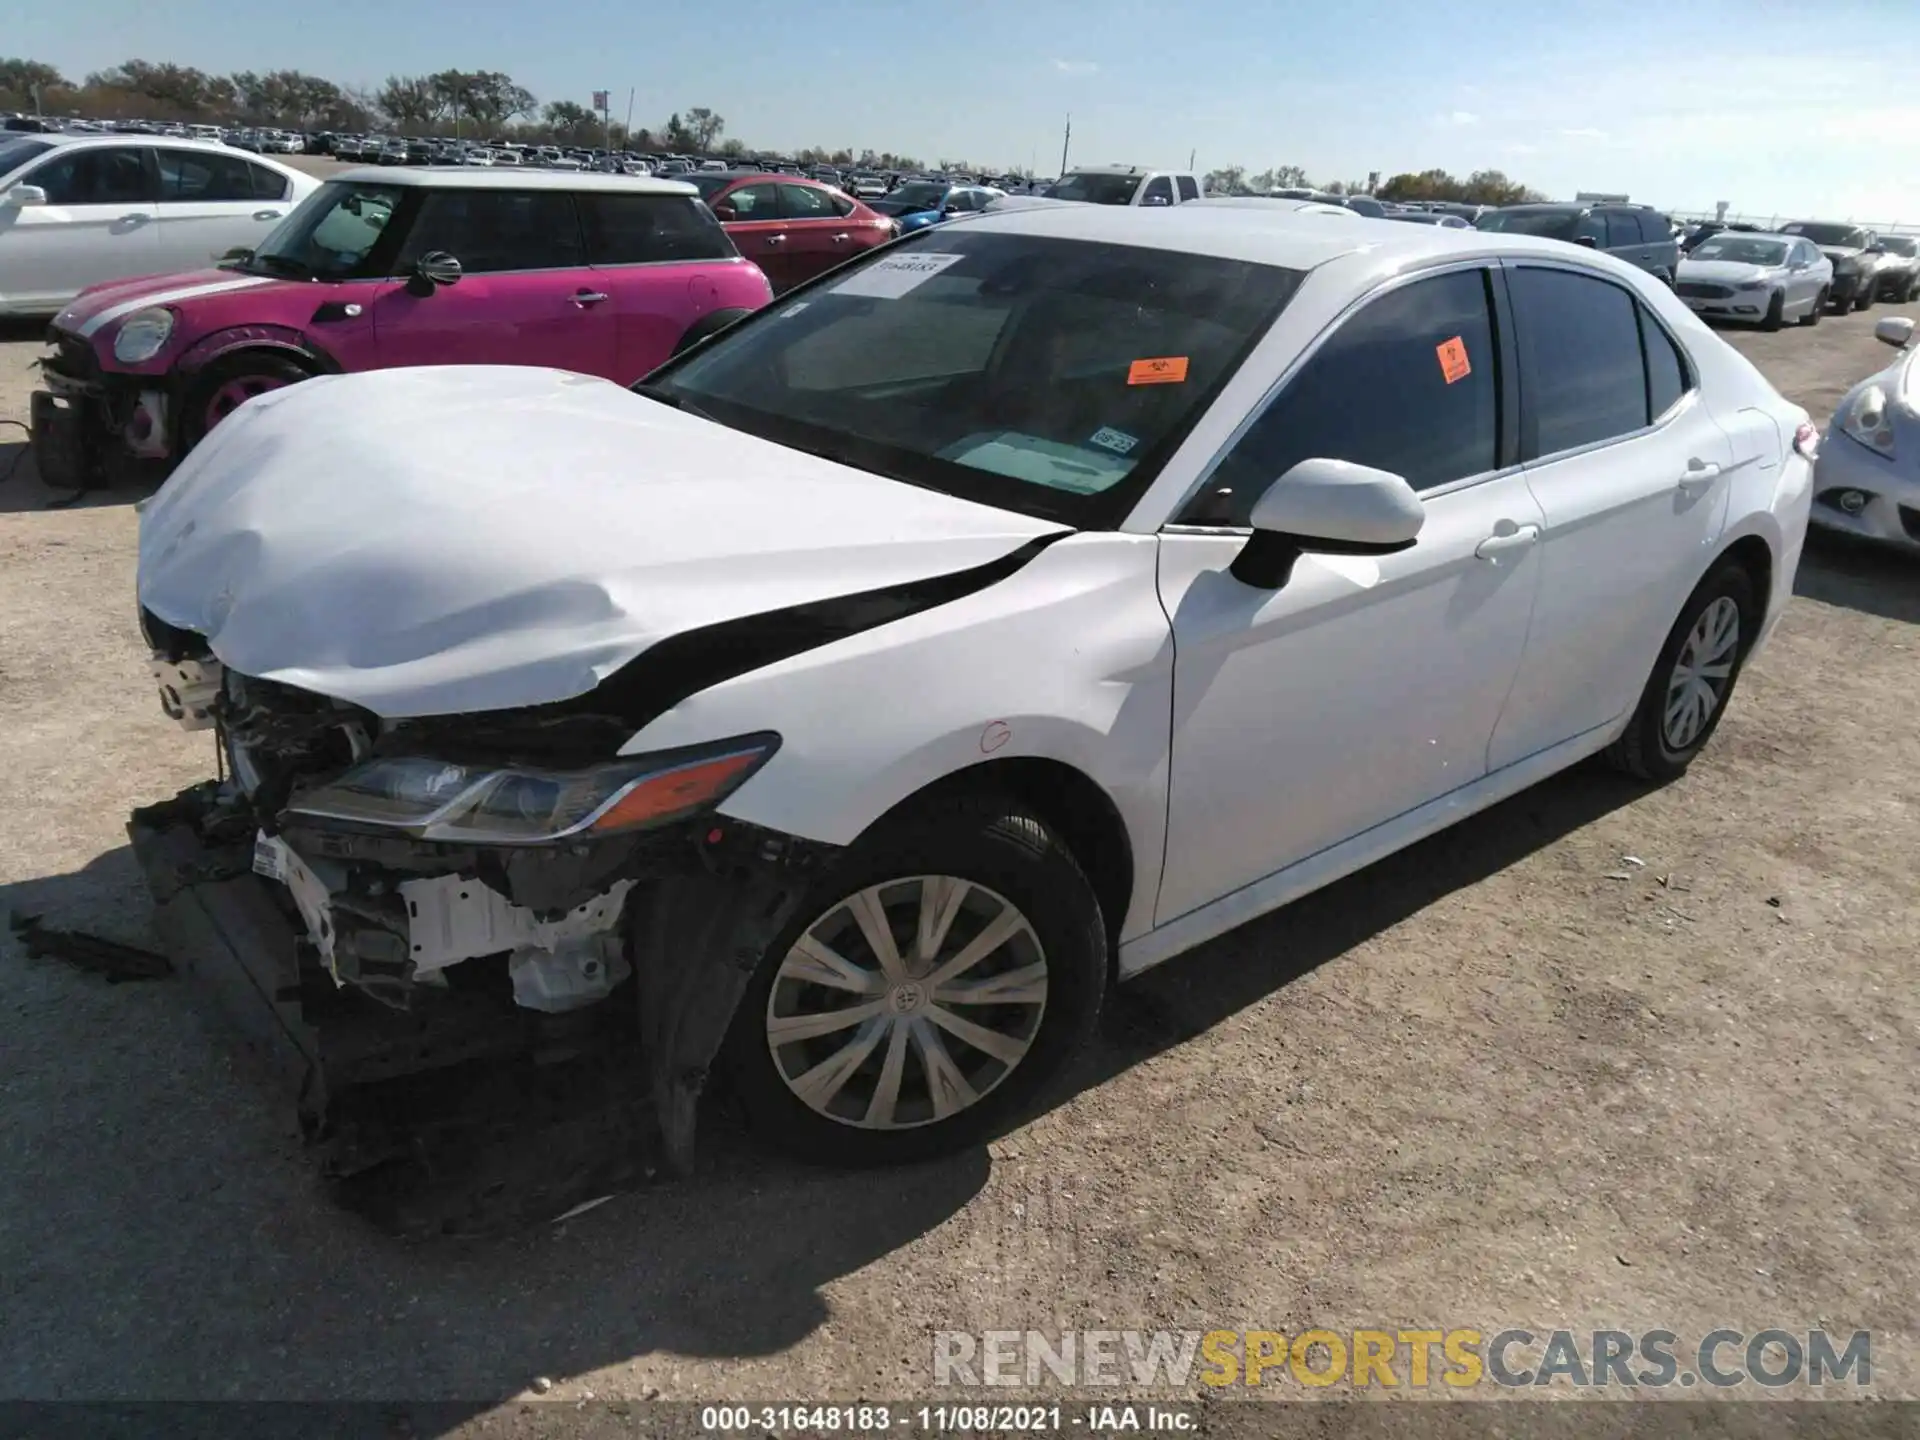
{"points": [[1126, 185], [848, 710]]}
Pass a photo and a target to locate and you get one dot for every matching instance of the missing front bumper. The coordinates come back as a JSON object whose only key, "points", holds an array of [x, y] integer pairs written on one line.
{"points": [[467, 1112]]}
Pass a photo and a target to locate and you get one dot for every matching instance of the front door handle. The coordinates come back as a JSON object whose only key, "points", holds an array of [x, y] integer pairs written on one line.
{"points": [[841, 238], [1699, 477], [266, 214], [138, 217], [588, 297], [1505, 540], [776, 239]]}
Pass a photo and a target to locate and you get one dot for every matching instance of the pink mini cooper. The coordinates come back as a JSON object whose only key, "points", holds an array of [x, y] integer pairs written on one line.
{"points": [[607, 275]]}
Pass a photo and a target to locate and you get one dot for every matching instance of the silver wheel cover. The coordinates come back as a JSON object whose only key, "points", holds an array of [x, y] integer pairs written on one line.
{"points": [[1701, 674], [907, 1003]]}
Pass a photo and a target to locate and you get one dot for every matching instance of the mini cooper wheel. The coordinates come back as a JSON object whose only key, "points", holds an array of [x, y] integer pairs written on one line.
{"points": [[929, 989], [228, 384], [1692, 680]]}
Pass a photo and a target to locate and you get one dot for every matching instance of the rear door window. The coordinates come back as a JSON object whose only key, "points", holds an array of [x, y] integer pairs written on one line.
{"points": [[489, 231], [1581, 369], [1623, 229], [1409, 384], [806, 202], [208, 178], [650, 229], [1655, 229], [1189, 187]]}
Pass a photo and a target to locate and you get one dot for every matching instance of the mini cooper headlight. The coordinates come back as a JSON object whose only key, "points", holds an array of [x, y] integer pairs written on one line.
{"points": [[1868, 422], [142, 335], [490, 805]]}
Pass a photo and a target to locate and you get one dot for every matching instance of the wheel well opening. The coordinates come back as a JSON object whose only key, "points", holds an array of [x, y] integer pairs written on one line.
{"points": [[1751, 554], [1079, 812]]}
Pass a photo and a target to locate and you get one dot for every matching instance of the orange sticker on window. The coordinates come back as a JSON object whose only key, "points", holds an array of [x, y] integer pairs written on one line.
{"points": [[1167, 370], [1453, 359]]}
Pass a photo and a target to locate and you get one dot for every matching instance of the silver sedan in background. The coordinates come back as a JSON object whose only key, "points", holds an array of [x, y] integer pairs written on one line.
{"points": [[1866, 481], [1754, 276]]}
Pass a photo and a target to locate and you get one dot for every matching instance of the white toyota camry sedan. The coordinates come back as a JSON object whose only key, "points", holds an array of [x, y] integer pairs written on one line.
{"points": [[849, 703]]}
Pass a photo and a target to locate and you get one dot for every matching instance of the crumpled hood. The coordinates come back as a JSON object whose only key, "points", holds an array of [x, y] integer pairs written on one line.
{"points": [[99, 305], [457, 538], [1722, 272]]}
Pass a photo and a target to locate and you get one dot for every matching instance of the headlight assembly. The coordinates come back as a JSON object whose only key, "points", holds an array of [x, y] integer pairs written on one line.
{"points": [[142, 335], [1868, 422], [491, 805]]}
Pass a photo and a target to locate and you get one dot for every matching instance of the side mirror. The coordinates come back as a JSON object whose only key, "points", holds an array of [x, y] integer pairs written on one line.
{"points": [[723, 211], [238, 255], [1332, 507], [1586, 240], [431, 271], [1895, 330], [1156, 200], [22, 195]]}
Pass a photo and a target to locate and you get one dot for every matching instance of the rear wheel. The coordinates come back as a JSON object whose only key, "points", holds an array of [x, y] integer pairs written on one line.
{"points": [[931, 987], [1692, 680], [1776, 312], [226, 385], [1812, 317]]}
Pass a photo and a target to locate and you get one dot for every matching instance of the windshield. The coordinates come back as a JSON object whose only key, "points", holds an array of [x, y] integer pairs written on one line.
{"points": [[921, 195], [1096, 189], [1554, 224], [330, 233], [1843, 235], [1900, 245], [15, 153], [1740, 251], [1049, 376]]}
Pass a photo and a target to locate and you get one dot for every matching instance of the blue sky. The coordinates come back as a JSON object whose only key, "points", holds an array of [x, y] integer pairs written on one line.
{"points": [[1795, 109]]}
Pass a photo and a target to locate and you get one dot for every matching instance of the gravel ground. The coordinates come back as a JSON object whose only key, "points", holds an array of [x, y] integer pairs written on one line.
{"points": [[1507, 1077]]}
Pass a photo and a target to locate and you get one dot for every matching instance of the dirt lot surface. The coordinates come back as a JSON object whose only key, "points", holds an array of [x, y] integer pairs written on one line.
{"points": [[1510, 1077]]}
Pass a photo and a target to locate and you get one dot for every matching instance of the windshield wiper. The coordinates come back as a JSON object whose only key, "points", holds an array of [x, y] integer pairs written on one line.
{"points": [[668, 397]]}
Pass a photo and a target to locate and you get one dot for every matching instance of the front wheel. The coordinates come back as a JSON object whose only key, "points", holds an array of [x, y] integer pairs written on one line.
{"points": [[1692, 680], [226, 385], [1812, 317], [935, 982], [1864, 299], [1776, 312]]}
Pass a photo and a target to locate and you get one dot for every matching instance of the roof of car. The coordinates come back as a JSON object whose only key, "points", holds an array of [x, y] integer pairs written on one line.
{"points": [[1264, 236], [127, 137], [464, 177]]}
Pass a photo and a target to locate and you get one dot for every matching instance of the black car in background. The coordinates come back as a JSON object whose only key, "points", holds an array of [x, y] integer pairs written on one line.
{"points": [[1638, 234]]}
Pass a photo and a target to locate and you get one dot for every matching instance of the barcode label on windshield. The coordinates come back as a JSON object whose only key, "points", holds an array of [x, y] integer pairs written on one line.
{"points": [[894, 276]]}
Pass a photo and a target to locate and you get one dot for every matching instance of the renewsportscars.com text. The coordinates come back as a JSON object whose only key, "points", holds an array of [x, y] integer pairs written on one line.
{"points": [[1455, 1358]]}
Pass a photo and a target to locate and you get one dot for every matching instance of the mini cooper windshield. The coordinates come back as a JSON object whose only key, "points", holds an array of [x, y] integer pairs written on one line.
{"points": [[1049, 376], [329, 235]]}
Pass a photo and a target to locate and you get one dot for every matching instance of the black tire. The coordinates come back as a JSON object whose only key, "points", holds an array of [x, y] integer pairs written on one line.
{"points": [[274, 370], [1643, 749], [994, 842], [1776, 312], [706, 327], [1812, 317], [1863, 300]]}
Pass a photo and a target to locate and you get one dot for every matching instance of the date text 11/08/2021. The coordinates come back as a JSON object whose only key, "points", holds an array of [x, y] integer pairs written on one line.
{"points": [[945, 1419]]}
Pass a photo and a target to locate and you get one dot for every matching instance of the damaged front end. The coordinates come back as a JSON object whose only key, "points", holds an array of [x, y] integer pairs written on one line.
{"points": [[493, 958], [92, 427]]}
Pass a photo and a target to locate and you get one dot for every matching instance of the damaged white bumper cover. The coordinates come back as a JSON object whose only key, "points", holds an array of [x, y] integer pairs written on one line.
{"points": [[556, 965]]}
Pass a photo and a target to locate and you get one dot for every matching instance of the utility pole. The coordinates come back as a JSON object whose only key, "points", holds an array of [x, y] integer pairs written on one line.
{"points": [[627, 139], [1190, 155], [1065, 142]]}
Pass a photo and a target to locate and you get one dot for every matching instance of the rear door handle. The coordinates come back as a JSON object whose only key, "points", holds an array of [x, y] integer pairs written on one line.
{"points": [[588, 297], [1502, 542], [266, 214], [841, 238], [1699, 477], [776, 239], [138, 217]]}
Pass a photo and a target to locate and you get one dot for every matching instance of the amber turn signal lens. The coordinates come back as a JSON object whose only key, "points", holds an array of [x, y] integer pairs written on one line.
{"points": [[675, 792]]}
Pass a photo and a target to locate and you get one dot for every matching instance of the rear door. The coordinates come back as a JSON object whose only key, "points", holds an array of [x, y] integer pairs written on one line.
{"points": [[642, 249], [525, 295], [1624, 238], [1631, 472], [818, 236], [97, 224], [751, 214], [212, 202]]}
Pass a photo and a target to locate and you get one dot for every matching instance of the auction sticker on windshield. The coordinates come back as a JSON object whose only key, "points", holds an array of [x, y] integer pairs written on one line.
{"points": [[894, 276]]}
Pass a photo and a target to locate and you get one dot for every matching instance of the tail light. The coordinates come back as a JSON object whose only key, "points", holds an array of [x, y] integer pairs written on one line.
{"points": [[1806, 441]]}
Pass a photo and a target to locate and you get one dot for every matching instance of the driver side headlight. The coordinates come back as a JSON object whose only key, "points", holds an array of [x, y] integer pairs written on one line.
{"points": [[1867, 420], [488, 805], [142, 335]]}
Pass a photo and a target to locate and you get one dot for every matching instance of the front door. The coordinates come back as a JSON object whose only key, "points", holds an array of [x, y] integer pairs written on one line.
{"points": [[1361, 688], [1633, 476], [211, 203], [751, 214], [526, 295], [97, 224]]}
